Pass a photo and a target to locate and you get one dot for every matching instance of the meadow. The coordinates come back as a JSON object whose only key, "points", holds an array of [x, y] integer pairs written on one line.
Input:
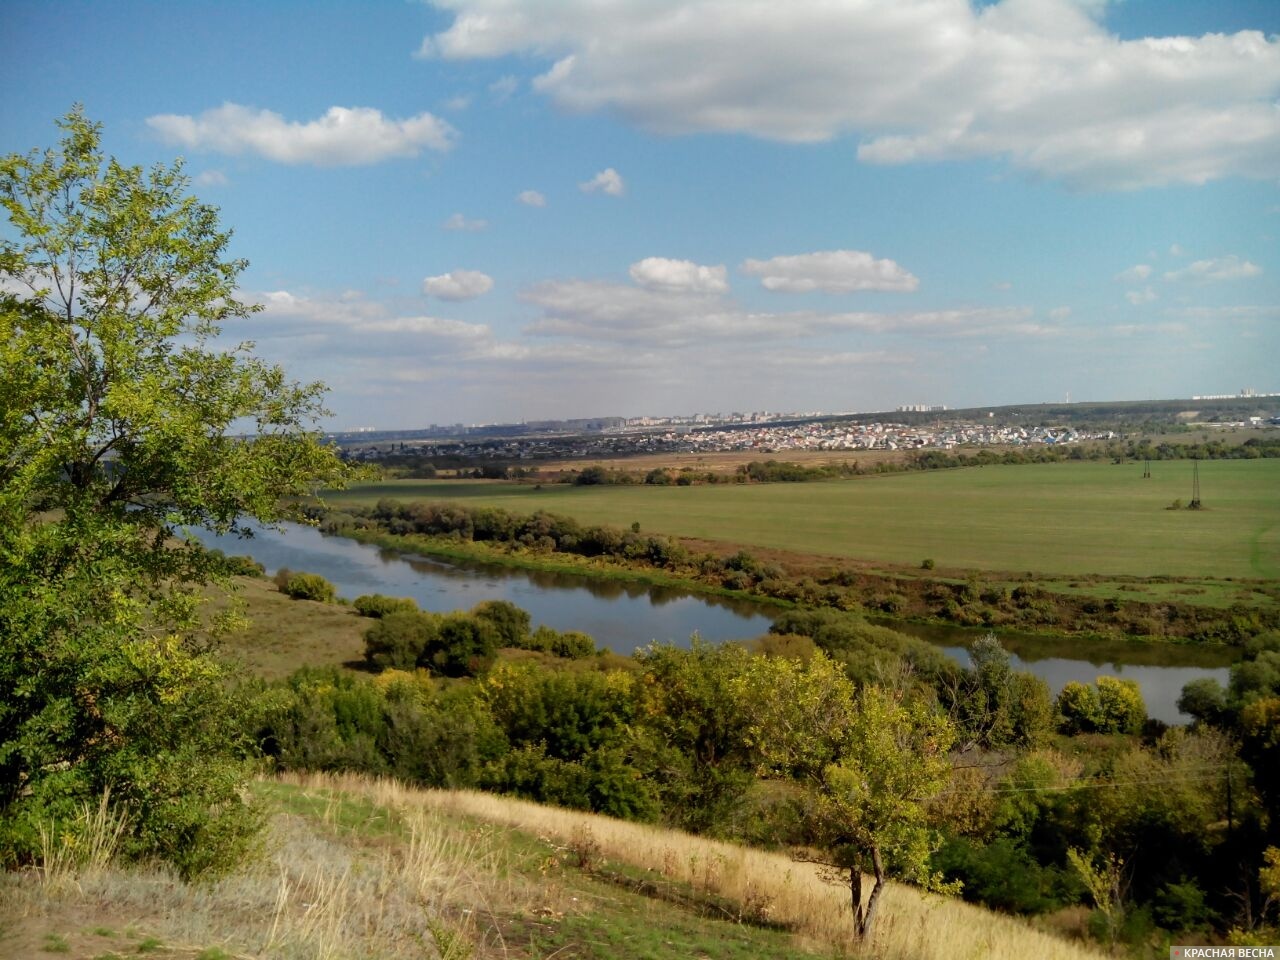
{"points": [[1069, 519]]}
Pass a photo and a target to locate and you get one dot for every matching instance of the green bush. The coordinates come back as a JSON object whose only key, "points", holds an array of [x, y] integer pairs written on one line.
{"points": [[331, 720], [1001, 874], [308, 586], [509, 622], [1110, 705], [464, 646], [573, 645], [401, 639], [377, 605]]}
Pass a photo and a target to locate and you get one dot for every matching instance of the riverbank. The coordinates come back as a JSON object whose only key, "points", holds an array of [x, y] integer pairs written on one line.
{"points": [[1022, 603]]}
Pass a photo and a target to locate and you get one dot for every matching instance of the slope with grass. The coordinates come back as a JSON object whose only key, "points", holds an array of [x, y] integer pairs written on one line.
{"points": [[357, 868], [1068, 519]]}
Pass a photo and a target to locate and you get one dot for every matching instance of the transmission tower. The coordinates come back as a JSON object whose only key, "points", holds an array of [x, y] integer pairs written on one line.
{"points": [[1195, 486]]}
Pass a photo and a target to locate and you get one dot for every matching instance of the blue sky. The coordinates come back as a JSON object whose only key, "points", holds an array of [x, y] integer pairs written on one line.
{"points": [[486, 210]]}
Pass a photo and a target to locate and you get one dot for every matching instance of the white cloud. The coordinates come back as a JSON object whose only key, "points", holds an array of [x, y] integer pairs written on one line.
{"points": [[606, 181], [458, 285], [459, 103], [1247, 313], [503, 88], [598, 310], [832, 271], [430, 326], [1229, 267], [532, 198], [1059, 313], [459, 222], [345, 310], [352, 317], [1139, 297], [1041, 83], [1135, 274], [1177, 251], [344, 136], [679, 276], [1002, 285], [211, 178]]}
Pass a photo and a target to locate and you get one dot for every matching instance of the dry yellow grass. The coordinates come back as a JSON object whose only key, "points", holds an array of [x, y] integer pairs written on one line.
{"points": [[421, 890], [911, 925], [373, 869]]}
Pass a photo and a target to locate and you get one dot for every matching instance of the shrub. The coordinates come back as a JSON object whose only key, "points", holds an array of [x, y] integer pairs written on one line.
{"points": [[1110, 706], [464, 645], [400, 639], [573, 645], [509, 622], [309, 586], [926, 563], [377, 605]]}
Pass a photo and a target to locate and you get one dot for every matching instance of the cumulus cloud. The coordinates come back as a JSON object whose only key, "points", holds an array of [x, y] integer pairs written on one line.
{"points": [[344, 136], [458, 285], [458, 222], [1135, 274], [607, 181], [1230, 267], [831, 271], [1040, 83], [532, 198], [679, 276]]}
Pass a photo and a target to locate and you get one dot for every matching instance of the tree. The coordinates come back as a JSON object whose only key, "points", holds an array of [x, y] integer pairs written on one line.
{"points": [[120, 423], [871, 809], [693, 722], [1111, 705], [871, 760]]}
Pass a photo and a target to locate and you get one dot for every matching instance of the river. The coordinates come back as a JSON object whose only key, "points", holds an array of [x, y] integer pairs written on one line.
{"points": [[624, 616]]}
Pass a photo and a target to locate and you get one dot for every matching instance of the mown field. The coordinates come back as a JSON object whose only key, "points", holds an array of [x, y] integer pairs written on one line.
{"points": [[1071, 519]]}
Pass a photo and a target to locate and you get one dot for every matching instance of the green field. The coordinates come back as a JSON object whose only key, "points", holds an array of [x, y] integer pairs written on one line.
{"points": [[1069, 518]]}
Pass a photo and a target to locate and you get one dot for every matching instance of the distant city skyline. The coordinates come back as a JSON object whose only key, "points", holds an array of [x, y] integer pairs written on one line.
{"points": [[483, 212]]}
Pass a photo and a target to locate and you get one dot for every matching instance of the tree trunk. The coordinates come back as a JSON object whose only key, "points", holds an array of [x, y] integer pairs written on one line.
{"points": [[865, 918], [855, 897]]}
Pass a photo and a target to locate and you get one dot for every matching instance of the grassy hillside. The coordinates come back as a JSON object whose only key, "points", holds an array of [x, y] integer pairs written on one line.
{"points": [[283, 634], [355, 868], [1068, 518]]}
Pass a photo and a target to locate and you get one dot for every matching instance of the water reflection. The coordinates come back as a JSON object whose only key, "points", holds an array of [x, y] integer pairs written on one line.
{"points": [[624, 614], [621, 615]]}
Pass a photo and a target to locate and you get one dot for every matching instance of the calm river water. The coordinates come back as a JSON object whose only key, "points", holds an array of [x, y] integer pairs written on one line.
{"points": [[624, 616]]}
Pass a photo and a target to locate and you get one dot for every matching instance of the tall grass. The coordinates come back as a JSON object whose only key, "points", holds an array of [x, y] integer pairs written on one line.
{"points": [[374, 869], [85, 847], [911, 925], [329, 891]]}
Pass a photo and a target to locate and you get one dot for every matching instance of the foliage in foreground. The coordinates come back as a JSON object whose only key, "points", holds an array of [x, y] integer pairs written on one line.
{"points": [[120, 422]]}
